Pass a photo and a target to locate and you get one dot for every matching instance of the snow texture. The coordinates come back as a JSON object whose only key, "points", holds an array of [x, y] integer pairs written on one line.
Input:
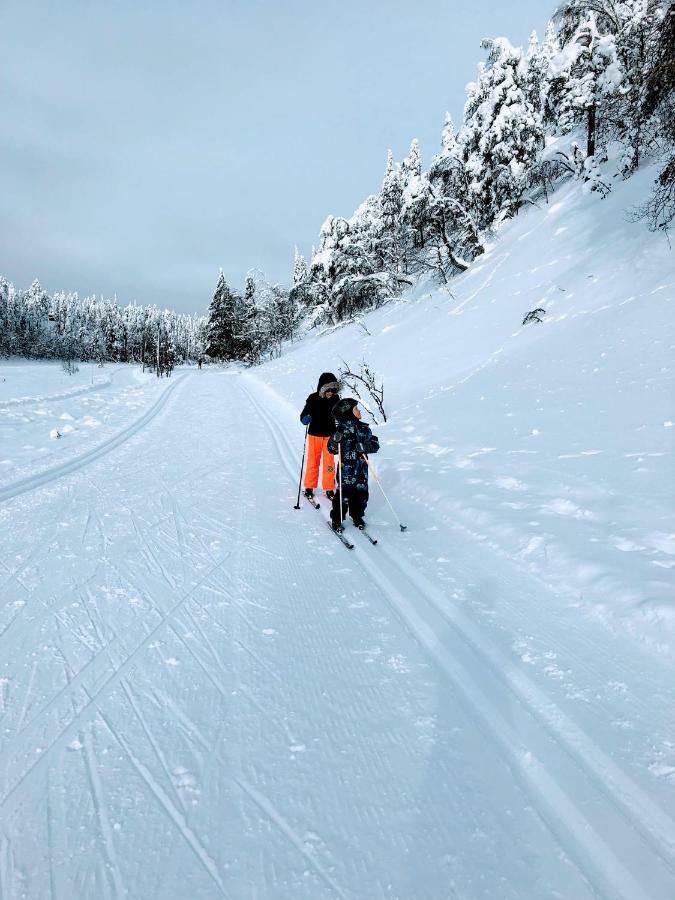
{"points": [[204, 695]]}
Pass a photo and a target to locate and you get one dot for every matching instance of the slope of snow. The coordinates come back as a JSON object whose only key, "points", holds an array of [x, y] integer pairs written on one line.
{"points": [[204, 695], [551, 443]]}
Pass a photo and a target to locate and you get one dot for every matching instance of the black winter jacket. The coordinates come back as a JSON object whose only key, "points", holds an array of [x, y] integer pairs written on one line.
{"points": [[319, 407]]}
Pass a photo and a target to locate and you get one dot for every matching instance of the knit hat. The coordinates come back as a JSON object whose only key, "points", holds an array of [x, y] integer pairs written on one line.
{"points": [[343, 409]]}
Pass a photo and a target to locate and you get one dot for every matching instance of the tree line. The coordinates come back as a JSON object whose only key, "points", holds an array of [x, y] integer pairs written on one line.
{"points": [[65, 326]]}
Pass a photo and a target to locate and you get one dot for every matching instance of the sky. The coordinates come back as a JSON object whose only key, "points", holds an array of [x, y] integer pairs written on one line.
{"points": [[146, 145]]}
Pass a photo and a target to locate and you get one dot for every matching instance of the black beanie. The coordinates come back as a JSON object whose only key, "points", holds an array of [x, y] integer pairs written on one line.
{"points": [[343, 408]]}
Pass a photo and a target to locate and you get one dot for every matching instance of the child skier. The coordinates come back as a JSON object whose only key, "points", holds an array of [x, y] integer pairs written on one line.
{"points": [[351, 442], [317, 413]]}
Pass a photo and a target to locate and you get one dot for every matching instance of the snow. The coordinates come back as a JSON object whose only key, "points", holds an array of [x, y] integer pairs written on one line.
{"points": [[203, 694]]}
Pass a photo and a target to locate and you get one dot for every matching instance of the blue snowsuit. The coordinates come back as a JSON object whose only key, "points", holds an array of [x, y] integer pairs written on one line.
{"points": [[353, 439]]}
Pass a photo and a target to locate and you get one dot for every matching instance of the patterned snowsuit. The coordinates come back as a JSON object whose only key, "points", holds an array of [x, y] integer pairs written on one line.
{"points": [[355, 440]]}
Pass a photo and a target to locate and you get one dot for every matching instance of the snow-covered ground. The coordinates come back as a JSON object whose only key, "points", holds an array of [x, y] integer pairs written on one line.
{"points": [[49, 418], [203, 694]]}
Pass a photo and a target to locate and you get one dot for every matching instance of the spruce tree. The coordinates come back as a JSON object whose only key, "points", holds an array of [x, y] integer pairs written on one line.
{"points": [[502, 134], [221, 340]]}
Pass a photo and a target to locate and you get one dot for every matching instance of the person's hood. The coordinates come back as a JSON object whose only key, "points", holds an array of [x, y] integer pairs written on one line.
{"points": [[327, 382], [325, 378]]}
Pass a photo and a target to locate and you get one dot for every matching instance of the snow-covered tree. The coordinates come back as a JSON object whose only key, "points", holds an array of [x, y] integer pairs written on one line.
{"points": [[593, 74], [541, 87], [222, 323], [502, 134], [299, 269], [659, 105], [637, 43]]}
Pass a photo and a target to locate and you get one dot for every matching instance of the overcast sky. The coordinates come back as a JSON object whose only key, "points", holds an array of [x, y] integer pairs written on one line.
{"points": [[146, 145]]}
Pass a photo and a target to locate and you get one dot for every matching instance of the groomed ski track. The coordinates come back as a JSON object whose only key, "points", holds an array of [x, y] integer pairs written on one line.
{"points": [[203, 694]]}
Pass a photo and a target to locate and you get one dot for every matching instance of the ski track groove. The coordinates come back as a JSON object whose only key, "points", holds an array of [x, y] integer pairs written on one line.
{"points": [[205, 669], [42, 479], [151, 740], [628, 800], [54, 892], [98, 800], [264, 804], [64, 395], [172, 813]]}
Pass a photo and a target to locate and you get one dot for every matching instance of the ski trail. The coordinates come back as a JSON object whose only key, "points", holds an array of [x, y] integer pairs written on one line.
{"points": [[50, 841], [102, 690], [275, 816], [172, 813], [96, 790], [205, 669], [42, 478], [27, 698], [655, 825], [563, 816], [152, 741], [181, 718], [593, 854], [5, 853], [64, 395]]}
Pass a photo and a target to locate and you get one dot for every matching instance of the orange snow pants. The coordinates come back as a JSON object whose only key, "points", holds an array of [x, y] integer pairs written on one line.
{"points": [[317, 453]]}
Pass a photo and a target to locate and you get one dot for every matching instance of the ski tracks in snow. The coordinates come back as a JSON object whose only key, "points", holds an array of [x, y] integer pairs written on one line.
{"points": [[621, 841], [238, 752]]}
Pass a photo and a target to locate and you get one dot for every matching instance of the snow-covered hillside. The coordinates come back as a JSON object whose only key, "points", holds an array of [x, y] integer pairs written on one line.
{"points": [[203, 694], [551, 443]]}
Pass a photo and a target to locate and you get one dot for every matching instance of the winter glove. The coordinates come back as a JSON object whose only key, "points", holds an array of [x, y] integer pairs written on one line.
{"points": [[306, 420]]}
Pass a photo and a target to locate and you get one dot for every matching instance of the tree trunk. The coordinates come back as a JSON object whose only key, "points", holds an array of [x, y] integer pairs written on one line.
{"points": [[590, 145]]}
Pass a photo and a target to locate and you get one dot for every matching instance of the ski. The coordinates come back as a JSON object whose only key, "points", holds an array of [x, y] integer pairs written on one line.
{"points": [[341, 536], [312, 502], [372, 540]]}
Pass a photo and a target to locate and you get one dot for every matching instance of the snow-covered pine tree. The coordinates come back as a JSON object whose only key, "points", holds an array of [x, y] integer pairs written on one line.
{"points": [[394, 230], [541, 89], [454, 239], [502, 134], [222, 323], [299, 269], [593, 76], [415, 212], [659, 104], [636, 44]]}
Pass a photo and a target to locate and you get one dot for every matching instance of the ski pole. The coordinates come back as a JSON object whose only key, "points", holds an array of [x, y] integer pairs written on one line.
{"points": [[374, 474], [302, 466], [340, 479]]}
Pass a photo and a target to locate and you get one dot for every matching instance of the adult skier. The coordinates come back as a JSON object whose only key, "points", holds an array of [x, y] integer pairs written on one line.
{"points": [[352, 441], [317, 415]]}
